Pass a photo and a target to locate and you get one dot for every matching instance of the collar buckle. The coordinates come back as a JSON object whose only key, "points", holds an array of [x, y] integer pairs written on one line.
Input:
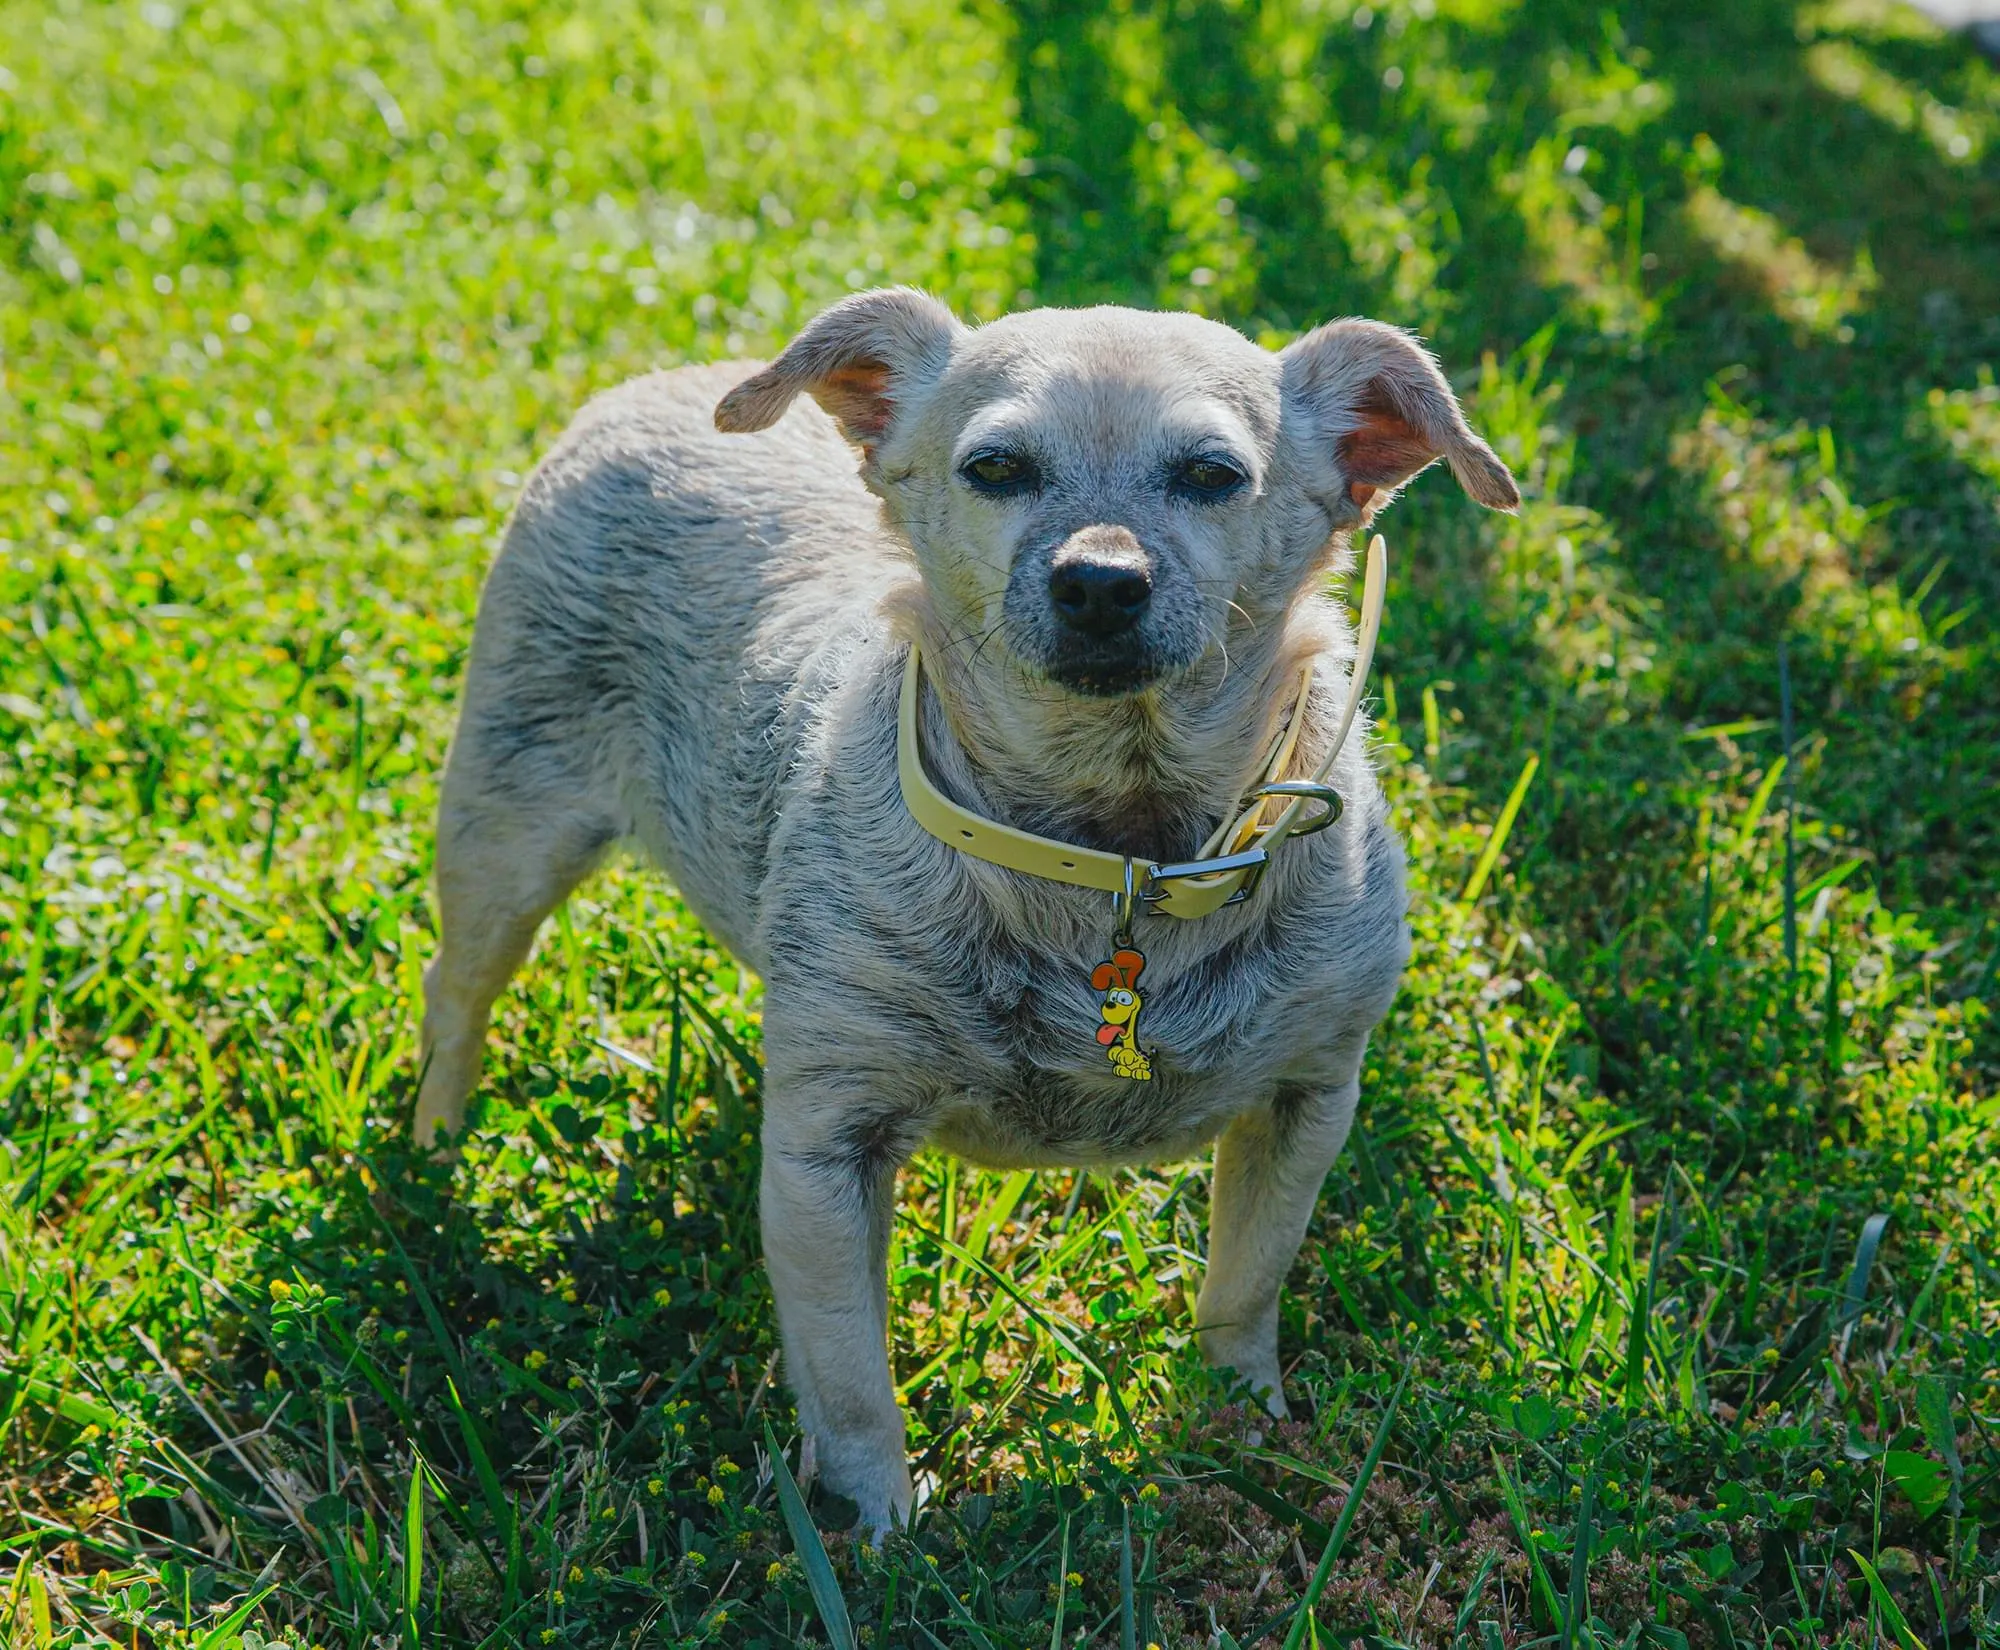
{"points": [[1251, 863]]}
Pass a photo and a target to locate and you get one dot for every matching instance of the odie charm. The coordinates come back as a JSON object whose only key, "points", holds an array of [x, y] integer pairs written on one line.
{"points": [[1118, 979]]}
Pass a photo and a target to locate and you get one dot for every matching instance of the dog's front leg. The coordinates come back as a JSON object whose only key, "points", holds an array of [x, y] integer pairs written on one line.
{"points": [[1269, 1165], [827, 1209]]}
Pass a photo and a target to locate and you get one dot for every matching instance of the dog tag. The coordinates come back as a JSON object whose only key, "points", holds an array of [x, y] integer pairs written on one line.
{"points": [[1118, 979]]}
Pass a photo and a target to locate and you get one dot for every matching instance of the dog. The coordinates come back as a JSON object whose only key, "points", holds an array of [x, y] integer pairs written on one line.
{"points": [[1081, 557]]}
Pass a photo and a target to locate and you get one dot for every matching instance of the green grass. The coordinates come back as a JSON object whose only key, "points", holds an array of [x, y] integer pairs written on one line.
{"points": [[1662, 1269]]}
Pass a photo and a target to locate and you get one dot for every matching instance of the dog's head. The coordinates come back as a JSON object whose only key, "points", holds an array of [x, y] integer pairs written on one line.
{"points": [[1100, 492]]}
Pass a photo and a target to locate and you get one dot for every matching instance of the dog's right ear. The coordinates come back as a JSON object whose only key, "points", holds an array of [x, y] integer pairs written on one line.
{"points": [[859, 360]]}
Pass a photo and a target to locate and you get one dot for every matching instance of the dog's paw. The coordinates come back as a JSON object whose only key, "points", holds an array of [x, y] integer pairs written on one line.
{"points": [[874, 1531], [1252, 1371], [877, 1521], [878, 1486]]}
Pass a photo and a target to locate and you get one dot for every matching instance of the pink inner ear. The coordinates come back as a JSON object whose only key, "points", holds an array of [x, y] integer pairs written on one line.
{"points": [[858, 395], [1382, 450]]}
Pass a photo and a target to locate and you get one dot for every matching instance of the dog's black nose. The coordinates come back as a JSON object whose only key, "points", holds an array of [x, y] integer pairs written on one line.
{"points": [[1100, 595]]}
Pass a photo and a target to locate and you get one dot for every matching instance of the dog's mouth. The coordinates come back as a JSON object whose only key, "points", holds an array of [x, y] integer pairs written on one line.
{"points": [[1118, 666], [1103, 673]]}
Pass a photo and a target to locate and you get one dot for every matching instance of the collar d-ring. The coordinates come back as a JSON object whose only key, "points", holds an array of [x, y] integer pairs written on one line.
{"points": [[1125, 901]]}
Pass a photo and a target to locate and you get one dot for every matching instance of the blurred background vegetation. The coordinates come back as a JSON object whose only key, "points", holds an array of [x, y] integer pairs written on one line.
{"points": [[1674, 1195]]}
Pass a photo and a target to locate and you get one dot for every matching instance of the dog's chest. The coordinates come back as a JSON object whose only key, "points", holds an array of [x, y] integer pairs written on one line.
{"points": [[1040, 1118], [1048, 1086]]}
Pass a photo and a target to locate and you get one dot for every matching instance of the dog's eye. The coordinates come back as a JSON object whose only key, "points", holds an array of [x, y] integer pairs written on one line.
{"points": [[998, 472], [1208, 477]]}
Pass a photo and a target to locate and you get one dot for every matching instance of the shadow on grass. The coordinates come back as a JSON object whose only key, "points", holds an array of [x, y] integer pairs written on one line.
{"points": [[1739, 239]]}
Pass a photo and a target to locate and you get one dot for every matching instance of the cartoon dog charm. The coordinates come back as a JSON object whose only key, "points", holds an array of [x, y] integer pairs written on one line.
{"points": [[1118, 979]]}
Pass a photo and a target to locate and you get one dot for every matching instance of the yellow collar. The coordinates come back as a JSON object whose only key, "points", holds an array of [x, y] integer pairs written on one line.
{"points": [[1192, 888]]}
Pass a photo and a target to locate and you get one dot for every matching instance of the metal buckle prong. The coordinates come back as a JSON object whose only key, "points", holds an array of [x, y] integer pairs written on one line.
{"points": [[1309, 790]]}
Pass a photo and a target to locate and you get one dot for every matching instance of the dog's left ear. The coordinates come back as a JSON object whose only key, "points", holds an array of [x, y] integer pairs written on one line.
{"points": [[859, 360], [1377, 399]]}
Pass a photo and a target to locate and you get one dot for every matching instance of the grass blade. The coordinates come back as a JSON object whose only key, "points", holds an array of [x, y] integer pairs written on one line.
{"points": [[1464, 1617], [433, 1319], [1934, 1412], [1060, 1334], [413, 1556], [1303, 1621], [1642, 1314], [1517, 1513], [732, 1045], [496, 1499], [1760, 799], [1791, 882], [1128, 1615], [1062, 1588], [225, 1632], [820, 1578], [71, 1406], [1892, 1612], [1501, 829], [1853, 1297], [41, 1626], [1856, 1293], [1258, 1496], [1576, 1605]]}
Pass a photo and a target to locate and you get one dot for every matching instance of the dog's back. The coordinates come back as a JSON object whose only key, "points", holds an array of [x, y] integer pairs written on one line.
{"points": [[643, 632]]}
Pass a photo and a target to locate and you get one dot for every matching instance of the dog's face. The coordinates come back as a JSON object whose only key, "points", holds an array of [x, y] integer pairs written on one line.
{"points": [[1084, 490], [1095, 496]]}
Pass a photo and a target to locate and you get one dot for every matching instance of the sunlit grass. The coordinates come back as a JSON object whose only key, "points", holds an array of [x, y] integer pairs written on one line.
{"points": [[1959, 136], [1799, 287]]}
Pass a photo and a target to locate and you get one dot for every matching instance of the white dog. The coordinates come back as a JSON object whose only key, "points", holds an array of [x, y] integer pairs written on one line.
{"points": [[935, 761]]}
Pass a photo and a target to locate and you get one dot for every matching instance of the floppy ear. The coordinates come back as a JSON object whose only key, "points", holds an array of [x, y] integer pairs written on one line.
{"points": [[1376, 397], [858, 360]]}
